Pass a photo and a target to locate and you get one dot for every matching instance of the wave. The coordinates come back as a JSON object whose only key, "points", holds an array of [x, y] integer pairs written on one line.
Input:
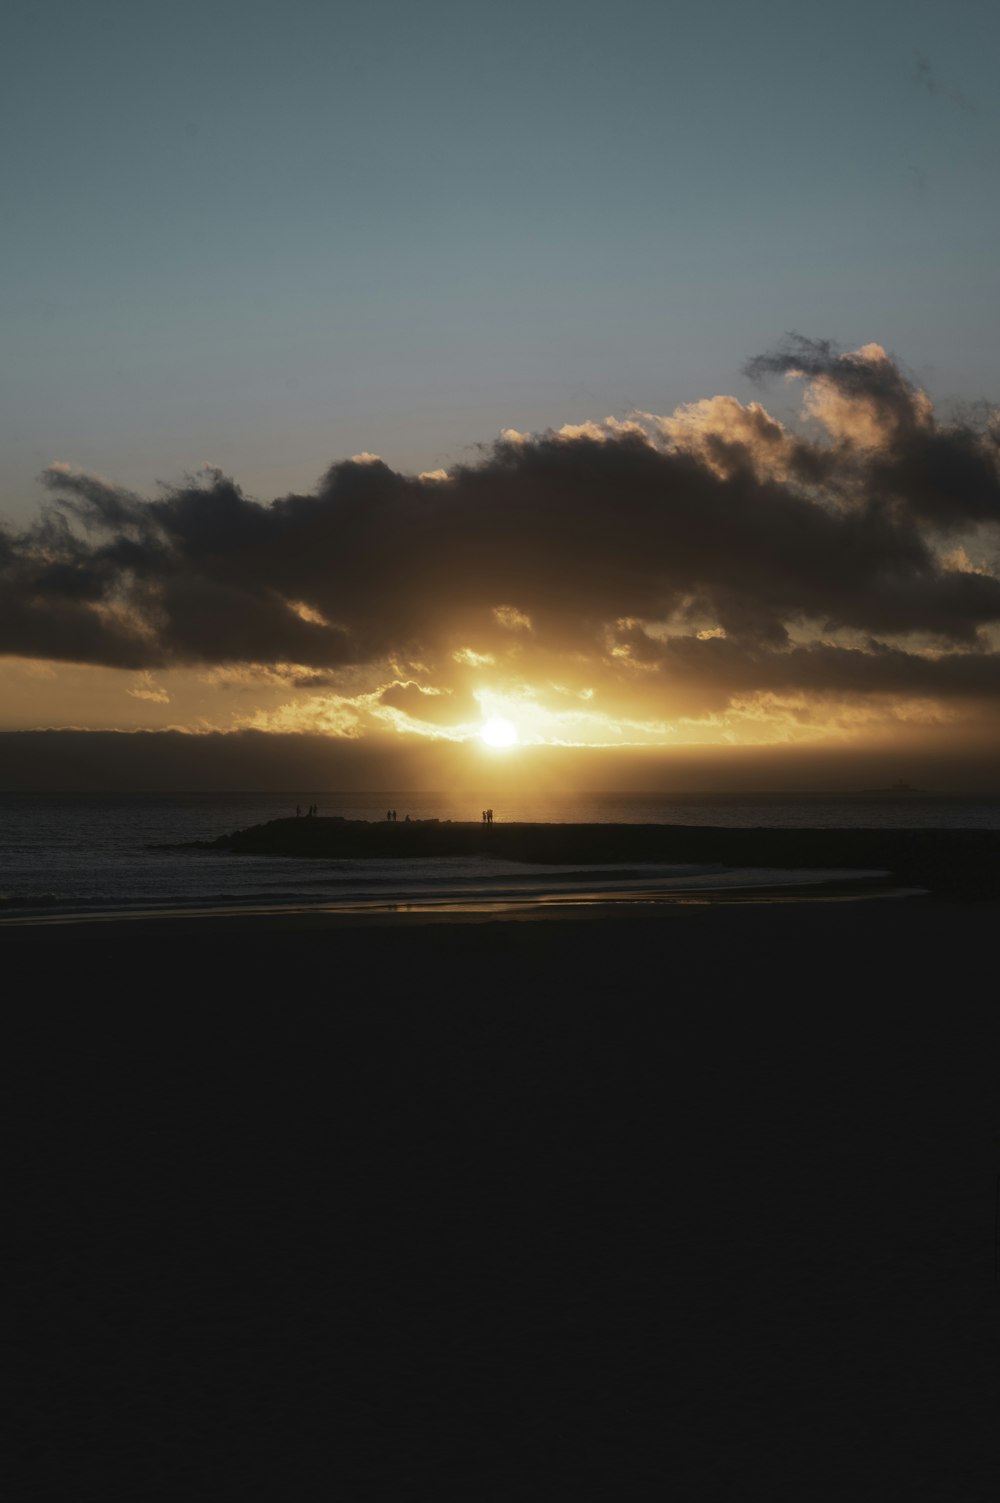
{"points": [[388, 892], [32, 899]]}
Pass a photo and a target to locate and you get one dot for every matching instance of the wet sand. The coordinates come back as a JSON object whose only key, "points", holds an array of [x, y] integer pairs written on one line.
{"points": [[698, 1200]]}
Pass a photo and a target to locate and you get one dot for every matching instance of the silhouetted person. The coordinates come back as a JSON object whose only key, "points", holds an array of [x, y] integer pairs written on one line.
{"points": [[298, 811]]}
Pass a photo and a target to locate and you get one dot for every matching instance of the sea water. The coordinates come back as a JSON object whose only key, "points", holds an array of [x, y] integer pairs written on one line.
{"points": [[90, 853]]}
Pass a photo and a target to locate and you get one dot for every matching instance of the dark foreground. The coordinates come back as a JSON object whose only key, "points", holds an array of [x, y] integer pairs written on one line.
{"points": [[699, 1204], [958, 864]]}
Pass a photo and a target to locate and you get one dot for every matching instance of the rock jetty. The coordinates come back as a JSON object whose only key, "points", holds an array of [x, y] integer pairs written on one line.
{"points": [[950, 863]]}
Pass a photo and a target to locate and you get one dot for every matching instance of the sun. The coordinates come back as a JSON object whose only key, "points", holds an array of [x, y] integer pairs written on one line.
{"points": [[499, 732]]}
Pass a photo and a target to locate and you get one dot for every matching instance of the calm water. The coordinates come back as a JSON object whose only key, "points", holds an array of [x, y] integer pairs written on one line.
{"points": [[69, 853]]}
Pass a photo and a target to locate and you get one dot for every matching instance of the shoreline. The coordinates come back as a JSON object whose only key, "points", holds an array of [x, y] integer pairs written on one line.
{"points": [[566, 906]]}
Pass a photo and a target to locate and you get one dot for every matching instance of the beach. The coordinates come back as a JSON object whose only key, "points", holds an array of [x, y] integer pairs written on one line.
{"points": [[698, 1198]]}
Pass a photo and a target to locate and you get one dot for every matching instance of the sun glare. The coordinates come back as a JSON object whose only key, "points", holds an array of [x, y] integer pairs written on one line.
{"points": [[499, 732]]}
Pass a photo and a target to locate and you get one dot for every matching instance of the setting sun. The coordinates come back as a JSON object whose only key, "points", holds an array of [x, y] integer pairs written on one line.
{"points": [[499, 732]]}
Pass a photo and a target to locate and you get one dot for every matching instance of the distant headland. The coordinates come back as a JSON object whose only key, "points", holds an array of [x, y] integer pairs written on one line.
{"points": [[900, 786]]}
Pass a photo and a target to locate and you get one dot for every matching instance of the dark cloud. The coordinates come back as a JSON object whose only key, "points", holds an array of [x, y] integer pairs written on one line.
{"points": [[887, 447], [434, 708], [705, 673], [250, 760], [879, 384], [780, 541]]}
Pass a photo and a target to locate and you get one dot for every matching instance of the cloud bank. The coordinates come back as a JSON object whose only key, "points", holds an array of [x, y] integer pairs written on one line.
{"points": [[638, 570]]}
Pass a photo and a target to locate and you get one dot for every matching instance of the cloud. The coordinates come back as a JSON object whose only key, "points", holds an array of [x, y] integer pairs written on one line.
{"points": [[509, 617], [726, 435], [887, 450], [473, 659], [666, 563], [860, 396], [145, 687], [705, 671]]}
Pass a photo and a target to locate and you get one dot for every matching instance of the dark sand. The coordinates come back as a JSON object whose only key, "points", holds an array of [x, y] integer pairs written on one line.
{"points": [[696, 1202]]}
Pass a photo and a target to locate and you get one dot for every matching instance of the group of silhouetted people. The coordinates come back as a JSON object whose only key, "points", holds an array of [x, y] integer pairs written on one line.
{"points": [[313, 809], [390, 815], [487, 816]]}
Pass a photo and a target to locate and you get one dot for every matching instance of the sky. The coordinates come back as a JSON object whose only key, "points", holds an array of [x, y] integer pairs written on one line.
{"points": [[621, 384]]}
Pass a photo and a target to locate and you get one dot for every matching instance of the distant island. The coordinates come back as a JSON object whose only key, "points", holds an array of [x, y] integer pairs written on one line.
{"points": [[950, 863], [898, 787]]}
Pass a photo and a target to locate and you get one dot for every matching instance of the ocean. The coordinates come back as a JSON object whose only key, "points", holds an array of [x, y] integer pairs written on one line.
{"points": [[90, 854]]}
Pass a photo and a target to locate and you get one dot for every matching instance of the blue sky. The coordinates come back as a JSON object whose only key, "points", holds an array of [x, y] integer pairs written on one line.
{"points": [[267, 236]]}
